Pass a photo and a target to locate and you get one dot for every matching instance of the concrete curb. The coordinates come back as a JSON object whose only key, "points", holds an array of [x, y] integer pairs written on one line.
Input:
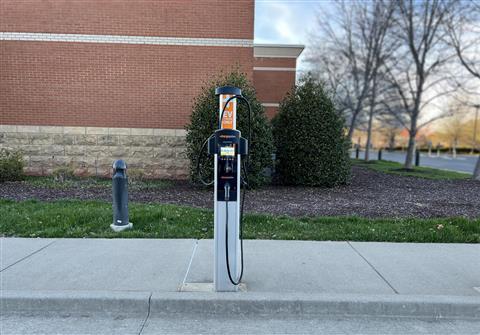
{"points": [[74, 302], [245, 303], [316, 304]]}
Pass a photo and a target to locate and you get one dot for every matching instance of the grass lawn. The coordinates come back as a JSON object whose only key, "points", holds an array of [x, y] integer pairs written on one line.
{"points": [[74, 218], [421, 172]]}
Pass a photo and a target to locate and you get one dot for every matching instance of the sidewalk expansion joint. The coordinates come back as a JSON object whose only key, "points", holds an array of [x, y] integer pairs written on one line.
{"points": [[373, 268], [148, 314], [29, 255], [190, 263]]}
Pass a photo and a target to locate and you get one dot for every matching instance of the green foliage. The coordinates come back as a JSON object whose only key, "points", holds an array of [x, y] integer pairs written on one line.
{"points": [[63, 174], [204, 121], [136, 175], [11, 165], [312, 148], [74, 218]]}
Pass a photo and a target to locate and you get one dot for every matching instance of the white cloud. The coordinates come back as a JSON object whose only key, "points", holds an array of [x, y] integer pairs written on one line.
{"points": [[287, 22], [284, 22]]}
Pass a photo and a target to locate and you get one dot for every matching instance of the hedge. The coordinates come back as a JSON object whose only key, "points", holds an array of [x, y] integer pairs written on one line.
{"points": [[310, 140]]}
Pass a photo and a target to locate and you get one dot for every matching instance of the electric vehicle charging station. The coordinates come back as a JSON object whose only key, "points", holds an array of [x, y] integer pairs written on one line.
{"points": [[227, 146]]}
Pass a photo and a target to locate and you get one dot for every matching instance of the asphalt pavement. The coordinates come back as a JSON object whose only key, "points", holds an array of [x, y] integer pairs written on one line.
{"points": [[461, 163], [141, 286]]}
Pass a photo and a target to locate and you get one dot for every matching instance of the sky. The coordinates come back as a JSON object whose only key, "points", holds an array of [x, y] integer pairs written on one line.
{"points": [[286, 21]]}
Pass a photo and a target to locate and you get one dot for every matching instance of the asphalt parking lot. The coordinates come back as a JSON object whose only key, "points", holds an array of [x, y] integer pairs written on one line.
{"points": [[461, 163]]}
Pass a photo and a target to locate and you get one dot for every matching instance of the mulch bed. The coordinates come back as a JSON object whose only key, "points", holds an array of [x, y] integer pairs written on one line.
{"points": [[370, 194]]}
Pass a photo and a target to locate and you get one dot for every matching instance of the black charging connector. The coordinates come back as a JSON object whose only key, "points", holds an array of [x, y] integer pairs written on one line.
{"points": [[227, 192]]}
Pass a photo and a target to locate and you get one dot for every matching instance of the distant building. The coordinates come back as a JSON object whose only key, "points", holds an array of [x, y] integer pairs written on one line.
{"points": [[85, 82]]}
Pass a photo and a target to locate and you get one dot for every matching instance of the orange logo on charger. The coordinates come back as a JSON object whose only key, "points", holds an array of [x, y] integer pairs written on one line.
{"points": [[229, 114]]}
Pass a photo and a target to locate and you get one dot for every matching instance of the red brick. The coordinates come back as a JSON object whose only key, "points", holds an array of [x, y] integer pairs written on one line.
{"points": [[176, 18], [272, 86], [108, 85]]}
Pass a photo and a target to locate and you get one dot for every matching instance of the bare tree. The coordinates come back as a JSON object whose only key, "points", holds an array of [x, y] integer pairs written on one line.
{"points": [[345, 54], [413, 70], [452, 129], [388, 123], [463, 27], [374, 22], [335, 74]]}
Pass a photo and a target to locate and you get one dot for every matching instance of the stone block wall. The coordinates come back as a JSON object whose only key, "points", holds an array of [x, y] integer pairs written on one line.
{"points": [[90, 151]]}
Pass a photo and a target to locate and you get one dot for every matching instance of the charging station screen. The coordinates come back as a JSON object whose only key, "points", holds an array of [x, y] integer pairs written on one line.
{"points": [[227, 151]]}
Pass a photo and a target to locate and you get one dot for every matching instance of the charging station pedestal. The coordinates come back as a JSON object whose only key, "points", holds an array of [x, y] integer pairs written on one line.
{"points": [[227, 205]]}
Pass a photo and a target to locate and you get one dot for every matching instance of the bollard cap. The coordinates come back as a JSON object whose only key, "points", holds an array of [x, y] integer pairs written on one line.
{"points": [[230, 90], [119, 164]]}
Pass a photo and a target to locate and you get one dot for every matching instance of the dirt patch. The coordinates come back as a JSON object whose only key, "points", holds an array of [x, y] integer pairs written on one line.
{"points": [[370, 194]]}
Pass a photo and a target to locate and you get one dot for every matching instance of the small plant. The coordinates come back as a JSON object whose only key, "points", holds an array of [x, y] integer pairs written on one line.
{"points": [[11, 165], [63, 174], [136, 175]]}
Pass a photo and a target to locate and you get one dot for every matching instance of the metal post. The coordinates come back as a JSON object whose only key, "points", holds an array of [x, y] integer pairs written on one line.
{"points": [[474, 146], [417, 157], [380, 154], [476, 172], [357, 152], [120, 197], [227, 210]]}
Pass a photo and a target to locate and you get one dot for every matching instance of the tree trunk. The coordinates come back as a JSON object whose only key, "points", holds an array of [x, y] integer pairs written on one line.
{"points": [[410, 152], [369, 135], [370, 116], [391, 142], [474, 145], [412, 132], [352, 127], [476, 172]]}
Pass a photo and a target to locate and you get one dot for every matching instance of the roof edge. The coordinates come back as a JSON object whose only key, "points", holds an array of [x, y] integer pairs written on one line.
{"points": [[278, 50]]}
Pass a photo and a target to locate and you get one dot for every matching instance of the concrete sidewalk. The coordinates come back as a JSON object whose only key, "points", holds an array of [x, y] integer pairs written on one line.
{"points": [[140, 277]]}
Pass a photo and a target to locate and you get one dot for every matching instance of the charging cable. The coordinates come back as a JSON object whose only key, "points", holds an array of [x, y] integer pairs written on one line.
{"points": [[227, 259]]}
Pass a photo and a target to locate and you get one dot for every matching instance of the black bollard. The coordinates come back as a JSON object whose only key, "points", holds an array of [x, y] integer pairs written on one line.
{"points": [[417, 157], [357, 152], [379, 154], [120, 197]]}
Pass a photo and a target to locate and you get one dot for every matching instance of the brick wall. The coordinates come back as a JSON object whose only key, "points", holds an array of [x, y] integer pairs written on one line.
{"points": [[275, 62], [124, 84], [273, 79], [107, 85], [84, 82], [272, 86], [177, 18]]}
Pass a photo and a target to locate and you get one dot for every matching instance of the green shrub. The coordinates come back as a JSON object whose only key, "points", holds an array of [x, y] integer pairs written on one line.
{"points": [[136, 175], [204, 121], [312, 148], [63, 173], [11, 165]]}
